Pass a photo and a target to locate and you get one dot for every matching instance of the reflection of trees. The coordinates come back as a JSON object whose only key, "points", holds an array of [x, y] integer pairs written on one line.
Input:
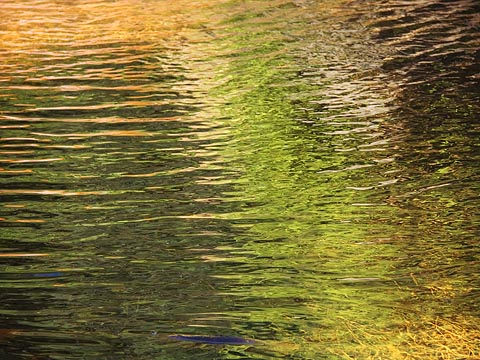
{"points": [[435, 63], [436, 57], [98, 89], [430, 226]]}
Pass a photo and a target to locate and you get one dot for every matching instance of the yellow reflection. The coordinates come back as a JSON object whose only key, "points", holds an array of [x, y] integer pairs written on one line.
{"points": [[109, 120], [14, 126], [102, 133], [37, 24], [49, 192], [3, 171], [199, 216], [24, 139], [141, 175], [22, 161], [22, 254], [25, 221]]}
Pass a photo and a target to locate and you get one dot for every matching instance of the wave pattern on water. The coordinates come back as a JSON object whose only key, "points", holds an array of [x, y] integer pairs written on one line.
{"points": [[299, 173]]}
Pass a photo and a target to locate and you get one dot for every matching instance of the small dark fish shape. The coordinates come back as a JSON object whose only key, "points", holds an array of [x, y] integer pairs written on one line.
{"points": [[213, 340]]}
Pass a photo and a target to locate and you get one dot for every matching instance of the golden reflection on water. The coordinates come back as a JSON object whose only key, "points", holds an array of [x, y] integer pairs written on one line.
{"points": [[248, 167], [112, 133], [50, 192], [22, 255], [37, 24]]}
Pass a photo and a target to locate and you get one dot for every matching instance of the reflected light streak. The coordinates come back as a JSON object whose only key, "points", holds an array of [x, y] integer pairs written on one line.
{"points": [[23, 255], [23, 220], [103, 133], [22, 161], [100, 120], [3, 171], [24, 139], [50, 192]]}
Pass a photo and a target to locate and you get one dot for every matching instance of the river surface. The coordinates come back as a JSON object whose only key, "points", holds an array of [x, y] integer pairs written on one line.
{"points": [[299, 174]]}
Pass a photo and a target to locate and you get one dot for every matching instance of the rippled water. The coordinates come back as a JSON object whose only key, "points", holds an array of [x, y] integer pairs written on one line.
{"points": [[302, 175]]}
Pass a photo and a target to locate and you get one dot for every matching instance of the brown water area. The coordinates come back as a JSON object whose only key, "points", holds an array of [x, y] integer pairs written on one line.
{"points": [[232, 179]]}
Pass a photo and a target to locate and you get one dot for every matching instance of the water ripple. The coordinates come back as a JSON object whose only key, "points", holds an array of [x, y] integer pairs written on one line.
{"points": [[236, 167]]}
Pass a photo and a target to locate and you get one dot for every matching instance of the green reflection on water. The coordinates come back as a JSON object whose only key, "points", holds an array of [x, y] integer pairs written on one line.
{"points": [[305, 234], [278, 215], [341, 269]]}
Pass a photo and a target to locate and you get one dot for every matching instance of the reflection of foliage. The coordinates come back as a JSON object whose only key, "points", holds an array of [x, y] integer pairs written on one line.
{"points": [[420, 338], [425, 336], [304, 234], [436, 56], [305, 270], [445, 339]]}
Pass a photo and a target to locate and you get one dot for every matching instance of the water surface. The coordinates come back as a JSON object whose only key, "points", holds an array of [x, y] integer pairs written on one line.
{"points": [[301, 175]]}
